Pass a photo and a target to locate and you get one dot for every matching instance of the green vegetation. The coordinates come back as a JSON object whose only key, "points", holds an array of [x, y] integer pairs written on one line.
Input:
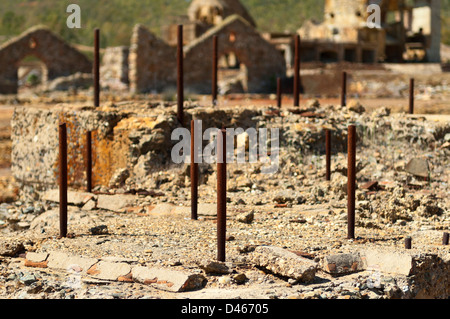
{"points": [[445, 16], [116, 18]]}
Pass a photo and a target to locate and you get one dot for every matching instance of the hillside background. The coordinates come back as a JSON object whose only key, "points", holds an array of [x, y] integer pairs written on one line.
{"points": [[116, 18]]}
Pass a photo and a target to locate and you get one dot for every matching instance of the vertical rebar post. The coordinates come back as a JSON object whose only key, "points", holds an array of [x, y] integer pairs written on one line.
{"points": [[180, 76], [297, 72], [89, 161], [445, 239], [328, 154], [408, 243], [221, 194], [214, 75], [351, 183], [411, 96], [279, 92], [97, 67], [194, 175], [344, 89], [63, 180]]}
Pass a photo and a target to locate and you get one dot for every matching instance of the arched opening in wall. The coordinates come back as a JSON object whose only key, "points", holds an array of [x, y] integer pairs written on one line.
{"points": [[329, 57], [31, 73], [232, 74]]}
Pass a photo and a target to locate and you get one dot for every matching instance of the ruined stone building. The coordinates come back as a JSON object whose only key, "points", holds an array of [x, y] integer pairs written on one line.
{"points": [[249, 61], [408, 31], [58, 58], [203, 15]]}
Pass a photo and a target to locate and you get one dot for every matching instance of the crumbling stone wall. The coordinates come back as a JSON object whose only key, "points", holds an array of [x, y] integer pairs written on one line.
{"points": [[131, 142], [128, 143], [263, 61], [60, 58], [114, 69], [152, 62], [35, 145]]}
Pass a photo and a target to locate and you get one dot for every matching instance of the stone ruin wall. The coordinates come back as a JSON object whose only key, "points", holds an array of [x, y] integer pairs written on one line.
{"points": [[237, 36], [114, 69], [152, 62], [59, 58], [131, 143]]}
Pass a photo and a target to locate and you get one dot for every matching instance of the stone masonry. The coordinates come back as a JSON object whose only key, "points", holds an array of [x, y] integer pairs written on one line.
{"points": [[237, 36], [60, 58], [152, 62]]}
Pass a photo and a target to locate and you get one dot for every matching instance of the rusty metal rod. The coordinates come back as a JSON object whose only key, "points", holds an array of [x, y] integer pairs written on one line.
{"points": [[351, 176], [89, 161], [63, 180], [279, 92], [194, 175], [344, 89], [297, 72], [97, 67], [445, 239], [411, 96], [328, 154], [214, 74], [180, 76], [221, 194], [408, 242]]}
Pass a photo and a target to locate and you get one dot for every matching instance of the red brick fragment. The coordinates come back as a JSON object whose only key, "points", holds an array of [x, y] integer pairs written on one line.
{"points": [[41, 264], [93, 270], [126, 278]]}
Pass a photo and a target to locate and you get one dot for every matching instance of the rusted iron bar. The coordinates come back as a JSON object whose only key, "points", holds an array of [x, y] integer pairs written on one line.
{"points": [[328, 154], [279, 93], [411, 96], [214, 75], [194, 175], [445, 239], [221, 194], [297, 72], [89, 161], [63, 180], [97, 67], [408, 243], [180, 75], [351, 176], [344, 89]]}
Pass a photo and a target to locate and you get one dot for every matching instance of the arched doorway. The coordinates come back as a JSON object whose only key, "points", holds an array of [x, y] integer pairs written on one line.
{"points": [[260, 63], [232, 74], [31, 72]]}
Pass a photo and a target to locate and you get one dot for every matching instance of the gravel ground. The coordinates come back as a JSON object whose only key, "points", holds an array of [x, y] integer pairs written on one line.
{"points": [[295, 209]]}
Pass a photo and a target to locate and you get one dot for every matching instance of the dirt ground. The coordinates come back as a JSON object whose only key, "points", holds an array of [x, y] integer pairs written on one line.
{"points": [[296, 210]]}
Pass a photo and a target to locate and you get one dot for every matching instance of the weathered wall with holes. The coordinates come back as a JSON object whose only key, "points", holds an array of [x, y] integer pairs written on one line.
{"points": [[153, 66], [263, 61], [152, 63], [134, 141], [60, 58], [35, 140]]}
